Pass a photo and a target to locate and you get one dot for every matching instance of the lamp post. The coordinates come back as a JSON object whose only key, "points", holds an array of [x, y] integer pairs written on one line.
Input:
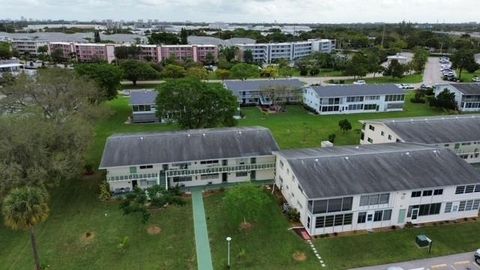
{"points": [[228, 251]]}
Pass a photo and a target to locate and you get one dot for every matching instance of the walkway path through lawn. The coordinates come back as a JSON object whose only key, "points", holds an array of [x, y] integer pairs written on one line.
{"points": [[204, 257]]}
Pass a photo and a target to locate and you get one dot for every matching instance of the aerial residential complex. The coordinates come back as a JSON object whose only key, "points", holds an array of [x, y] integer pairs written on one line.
{"points": [[271, 52], [189, 158], [255, 92], [341, 189], [461, 134], [346, 99], [467, 95]]}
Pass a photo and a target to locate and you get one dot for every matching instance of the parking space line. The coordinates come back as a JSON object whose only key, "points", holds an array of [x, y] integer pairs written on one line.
{"points": [[476, 265], [462, 262], [439, 266]]}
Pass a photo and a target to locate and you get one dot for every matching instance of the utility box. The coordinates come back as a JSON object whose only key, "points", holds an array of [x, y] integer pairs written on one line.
{"points": [[422, 240], [326, 144]]}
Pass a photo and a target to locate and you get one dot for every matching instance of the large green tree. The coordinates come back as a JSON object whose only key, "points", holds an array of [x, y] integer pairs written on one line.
{"points": [[229, 53], [107, 77], [245, 203], [134, 70], [173, 71], [358, 66], [248, 56], [23, 209], [195, 104], [5, 51], [444, 100], [464, 59], [197, 72], [395, 69], [419, 60], [244, 71], [164, 38]]}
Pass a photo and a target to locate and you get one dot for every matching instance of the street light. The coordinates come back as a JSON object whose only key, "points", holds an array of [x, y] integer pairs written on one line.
{"points": [[228, 251]]}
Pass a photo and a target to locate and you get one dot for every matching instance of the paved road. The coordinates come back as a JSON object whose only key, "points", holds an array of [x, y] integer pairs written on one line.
{"points": [[432, 73], [202, 244], [463, 261]]}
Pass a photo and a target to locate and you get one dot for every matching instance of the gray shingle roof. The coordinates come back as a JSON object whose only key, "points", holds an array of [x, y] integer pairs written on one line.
{"points": [[257, 85], [200, 144], [468, 88], [339, 171], [434, 130], [142, 97], [357, 90]]}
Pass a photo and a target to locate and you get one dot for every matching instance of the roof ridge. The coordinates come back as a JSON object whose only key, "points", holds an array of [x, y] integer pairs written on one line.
{"points": [[420, 118], [425, 148], [190, 131]]}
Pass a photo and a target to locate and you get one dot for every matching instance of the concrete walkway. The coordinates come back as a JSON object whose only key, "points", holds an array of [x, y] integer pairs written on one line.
{"points": [[204, 257]]}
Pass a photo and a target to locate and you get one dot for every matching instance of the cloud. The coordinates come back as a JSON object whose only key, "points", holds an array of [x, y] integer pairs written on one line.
{"points": [[326, 11]]}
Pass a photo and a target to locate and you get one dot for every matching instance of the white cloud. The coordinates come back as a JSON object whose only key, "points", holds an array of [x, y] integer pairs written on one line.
{"points": [[326, 11]]}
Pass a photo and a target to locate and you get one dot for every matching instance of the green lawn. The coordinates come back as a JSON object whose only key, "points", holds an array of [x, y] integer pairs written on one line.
{"points": [[268, 245], [414, 78], [389, 247], [467, 77], [76, 210], [296, 128]]}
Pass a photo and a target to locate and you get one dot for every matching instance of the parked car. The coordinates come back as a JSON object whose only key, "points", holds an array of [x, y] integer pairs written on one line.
{"points": [[476, 79], [405, 86], [360, 82], [425, 87], [477, 256]]}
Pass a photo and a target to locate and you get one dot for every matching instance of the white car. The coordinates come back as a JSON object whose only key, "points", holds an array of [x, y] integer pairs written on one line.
{"points": [[476, 79], [360, 82], [405, 86]]}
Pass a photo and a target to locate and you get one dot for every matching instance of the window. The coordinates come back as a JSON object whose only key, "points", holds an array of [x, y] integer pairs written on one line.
{"points": [[281, 164], [460, 190], [331, 205], [209, 176], [347, 219], [394, 97], [329, 221], [469, 188], [241, 174], [133, 169], [448, 207], [427, 193], [389, 137], [461, 206], [416, 194], [476, 204], [370, 140], [387, 214], [382, 133], [338, 220], [378, 216], [438, 192], [372, 128], [146, 167], [320, 222], [374, 199], [362, 216], [334, 205]]}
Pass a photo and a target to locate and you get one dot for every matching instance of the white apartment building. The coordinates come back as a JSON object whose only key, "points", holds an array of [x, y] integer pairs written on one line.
{"points": [[143, 103], [347, 99], [267, 53], [28, 46], [189, 158], [461, 134], [253, 92], [341, 189], [467, 95]]}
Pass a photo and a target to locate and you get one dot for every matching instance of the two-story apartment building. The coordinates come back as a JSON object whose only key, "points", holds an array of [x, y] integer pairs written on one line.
{"points": [[341, 189], [255, 92], [189, 158], [346, 99], [143, 103], [460, 133], [467, 95]]}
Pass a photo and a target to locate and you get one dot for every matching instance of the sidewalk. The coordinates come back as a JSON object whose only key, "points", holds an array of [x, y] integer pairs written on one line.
{"points": [[204, 257]]}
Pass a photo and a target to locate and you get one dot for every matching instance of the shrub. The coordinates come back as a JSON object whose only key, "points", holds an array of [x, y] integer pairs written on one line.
{"points": [[331, 137], [105, 194], [293, 215]]}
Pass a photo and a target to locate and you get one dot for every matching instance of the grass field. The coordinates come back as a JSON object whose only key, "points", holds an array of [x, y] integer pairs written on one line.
{"points": [[76, 210], [467, 77], [269, 245], [414, 78], [387, 247]]}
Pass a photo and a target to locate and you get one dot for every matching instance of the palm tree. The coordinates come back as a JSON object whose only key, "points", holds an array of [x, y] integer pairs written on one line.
{"points": [[22, 209]]}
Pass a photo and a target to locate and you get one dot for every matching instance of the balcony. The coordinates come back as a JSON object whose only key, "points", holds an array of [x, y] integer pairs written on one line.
{"points": [[220, 169]]}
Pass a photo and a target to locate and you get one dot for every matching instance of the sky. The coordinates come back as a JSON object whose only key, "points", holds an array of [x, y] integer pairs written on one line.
{"points": [[248, 11]]}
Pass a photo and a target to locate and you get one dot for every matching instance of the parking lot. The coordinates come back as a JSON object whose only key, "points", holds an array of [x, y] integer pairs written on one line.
{"points": [[463, 261]]}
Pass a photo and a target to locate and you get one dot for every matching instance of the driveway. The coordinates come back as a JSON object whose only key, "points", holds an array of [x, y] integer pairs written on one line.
{"points": [[462, 261], [432, 74]]}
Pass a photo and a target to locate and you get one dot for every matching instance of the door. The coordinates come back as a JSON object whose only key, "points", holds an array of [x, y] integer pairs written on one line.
{"points": [[369, 221], [253, 175], [401, 216], [224, 177], [134, 184], [414, 214]]}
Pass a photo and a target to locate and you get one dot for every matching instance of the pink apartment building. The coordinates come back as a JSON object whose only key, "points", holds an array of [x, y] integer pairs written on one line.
{"points": [[88, 52]]}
